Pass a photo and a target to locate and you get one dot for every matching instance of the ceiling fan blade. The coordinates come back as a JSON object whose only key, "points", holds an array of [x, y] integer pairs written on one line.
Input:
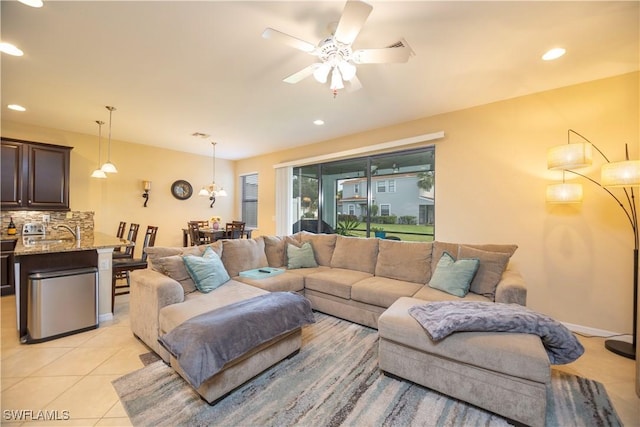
{"points": [[354, 15], [302, 74], [382, 56], [279, 36], [354, 84]]}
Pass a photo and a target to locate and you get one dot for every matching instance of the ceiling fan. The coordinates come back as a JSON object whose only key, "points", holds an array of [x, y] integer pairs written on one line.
{"points": [[335, 53]]}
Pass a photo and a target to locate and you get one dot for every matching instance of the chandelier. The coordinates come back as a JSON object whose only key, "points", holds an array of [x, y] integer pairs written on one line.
{"points": [[212, 190]]}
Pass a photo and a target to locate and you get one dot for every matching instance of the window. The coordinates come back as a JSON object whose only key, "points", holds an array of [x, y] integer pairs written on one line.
{"points": [[386, 186], [250, 200], [325, 194]]}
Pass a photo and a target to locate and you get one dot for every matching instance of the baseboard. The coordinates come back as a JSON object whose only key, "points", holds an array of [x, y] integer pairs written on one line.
{"points": [[585, 330], [105, 317]]}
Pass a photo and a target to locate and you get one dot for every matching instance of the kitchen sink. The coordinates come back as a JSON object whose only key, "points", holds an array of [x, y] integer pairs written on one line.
{"points": [[44, 240]]}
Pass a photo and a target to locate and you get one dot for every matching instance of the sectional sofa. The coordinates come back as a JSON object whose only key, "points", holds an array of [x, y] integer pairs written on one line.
{"points": [[353, 278]]}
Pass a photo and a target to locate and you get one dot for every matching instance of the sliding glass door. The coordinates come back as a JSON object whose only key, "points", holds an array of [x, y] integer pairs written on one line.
{"points": [[388, 195]]}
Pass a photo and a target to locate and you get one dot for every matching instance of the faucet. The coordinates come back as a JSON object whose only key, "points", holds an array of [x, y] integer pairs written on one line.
{"points": [[75, 234]]}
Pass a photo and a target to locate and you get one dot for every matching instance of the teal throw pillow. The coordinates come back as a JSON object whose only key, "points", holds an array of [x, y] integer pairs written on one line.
{"points": [[301, 257], [454, 277], [207, 271]]}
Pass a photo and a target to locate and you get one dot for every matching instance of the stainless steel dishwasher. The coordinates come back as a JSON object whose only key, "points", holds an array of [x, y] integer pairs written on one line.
{"points": [[61, 303]]}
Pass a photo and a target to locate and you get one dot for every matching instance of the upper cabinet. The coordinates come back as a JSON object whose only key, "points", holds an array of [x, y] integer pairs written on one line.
{"points": [[35, 176]]}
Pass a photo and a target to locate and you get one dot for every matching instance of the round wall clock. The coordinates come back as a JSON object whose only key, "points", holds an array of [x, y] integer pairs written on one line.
{"points": [[181, 189]]}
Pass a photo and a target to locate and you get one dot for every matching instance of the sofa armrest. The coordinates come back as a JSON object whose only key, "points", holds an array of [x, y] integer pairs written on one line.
{"points": [[150, 291], [511, 288]]}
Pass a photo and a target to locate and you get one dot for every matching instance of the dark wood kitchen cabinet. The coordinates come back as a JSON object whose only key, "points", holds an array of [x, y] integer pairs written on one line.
{"points": [[35, 176], [7, 284]]}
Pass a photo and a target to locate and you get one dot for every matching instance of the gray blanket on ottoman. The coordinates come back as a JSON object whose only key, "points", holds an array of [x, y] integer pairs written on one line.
{"points": [[205, 343], [440, 319]]}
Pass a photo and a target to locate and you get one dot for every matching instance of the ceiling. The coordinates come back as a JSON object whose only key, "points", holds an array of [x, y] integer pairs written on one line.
{"points": [[172, 68]]}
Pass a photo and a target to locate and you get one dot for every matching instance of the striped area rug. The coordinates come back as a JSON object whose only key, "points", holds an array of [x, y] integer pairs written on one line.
{"points": [[335, 381]]}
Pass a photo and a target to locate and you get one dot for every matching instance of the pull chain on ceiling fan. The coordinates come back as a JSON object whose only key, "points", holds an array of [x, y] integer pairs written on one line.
{"points": [[335, 52]]}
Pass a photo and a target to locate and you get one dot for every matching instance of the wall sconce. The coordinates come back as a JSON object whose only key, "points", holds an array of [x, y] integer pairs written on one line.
{"points": [[146, 185]]}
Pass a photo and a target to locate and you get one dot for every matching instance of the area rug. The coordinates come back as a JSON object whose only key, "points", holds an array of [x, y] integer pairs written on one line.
{"points": [[335, 381]]}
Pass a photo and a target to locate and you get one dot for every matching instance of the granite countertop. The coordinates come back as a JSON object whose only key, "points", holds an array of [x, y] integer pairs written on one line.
{"points": [[64, 242]]}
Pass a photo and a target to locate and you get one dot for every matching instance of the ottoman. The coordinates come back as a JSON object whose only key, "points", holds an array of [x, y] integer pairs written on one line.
{"points": [[504, 373]]}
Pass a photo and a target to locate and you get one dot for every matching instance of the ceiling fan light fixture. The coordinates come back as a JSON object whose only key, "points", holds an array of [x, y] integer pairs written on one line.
{"points": [[347, 69], [321, 73], [336, 80]]}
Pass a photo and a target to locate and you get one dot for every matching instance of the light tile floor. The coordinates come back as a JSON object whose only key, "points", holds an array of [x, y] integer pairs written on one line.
{"points": [[74, 373]]}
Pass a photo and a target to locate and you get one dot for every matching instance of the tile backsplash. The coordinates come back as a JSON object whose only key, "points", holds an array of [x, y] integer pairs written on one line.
{"points": [[70, 218]]}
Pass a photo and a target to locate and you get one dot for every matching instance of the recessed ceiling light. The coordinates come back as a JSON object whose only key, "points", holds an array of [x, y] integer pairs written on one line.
{"points": [[16, 107], [10, 49], [554, 53], [32, 3], [318, 122]]}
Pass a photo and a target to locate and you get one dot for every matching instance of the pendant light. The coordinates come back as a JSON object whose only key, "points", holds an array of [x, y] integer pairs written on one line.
{"points": [[109, 167], [99, 173], [212, 190]]}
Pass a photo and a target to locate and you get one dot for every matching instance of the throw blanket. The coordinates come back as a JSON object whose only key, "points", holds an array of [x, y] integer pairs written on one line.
{"points": [[205, 343], [440, 319]]}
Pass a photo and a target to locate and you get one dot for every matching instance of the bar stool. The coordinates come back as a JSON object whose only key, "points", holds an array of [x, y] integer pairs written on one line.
{"points": [[122, 266]]}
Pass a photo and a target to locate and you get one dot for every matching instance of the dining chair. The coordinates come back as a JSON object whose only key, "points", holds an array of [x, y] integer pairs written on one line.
{"points": [[120, 234], [195, 236], [132, 236], [234, 230], [121, 267]]}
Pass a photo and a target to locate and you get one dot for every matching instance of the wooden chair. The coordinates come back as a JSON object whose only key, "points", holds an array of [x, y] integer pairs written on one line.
{"points": [[195, 236], [120, 234], [121, 267], [234, 230], [132, 237]]}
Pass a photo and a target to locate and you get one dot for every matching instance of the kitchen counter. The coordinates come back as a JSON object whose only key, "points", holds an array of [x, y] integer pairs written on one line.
{"points": [[64, 242]]}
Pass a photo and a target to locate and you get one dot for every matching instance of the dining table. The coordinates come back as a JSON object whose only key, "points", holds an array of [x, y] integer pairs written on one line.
{"points": [[213, 234]]}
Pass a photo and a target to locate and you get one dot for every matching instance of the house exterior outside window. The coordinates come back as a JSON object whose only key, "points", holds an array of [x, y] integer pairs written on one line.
{"points": [[385, 209]]}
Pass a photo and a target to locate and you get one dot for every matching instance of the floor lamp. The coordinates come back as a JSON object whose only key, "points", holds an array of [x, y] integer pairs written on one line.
{"points": [[624, 174]]}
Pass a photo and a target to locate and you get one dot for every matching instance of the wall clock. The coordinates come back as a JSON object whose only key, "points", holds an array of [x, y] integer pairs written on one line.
{"points": [[181, 189]]}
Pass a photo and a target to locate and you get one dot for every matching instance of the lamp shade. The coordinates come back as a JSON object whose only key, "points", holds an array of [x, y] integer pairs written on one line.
{"points": [[98, 173], [569, 156], [321, 73], [564, 193], [620, 174]]}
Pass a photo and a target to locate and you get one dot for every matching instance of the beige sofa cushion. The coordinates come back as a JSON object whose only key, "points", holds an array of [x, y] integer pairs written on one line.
{"points": [[275, 248], [323, 246], [492, 265], [335, 281], [355, 253], [428, 293], [410, 261], [382, 291], [243, 254], [199, 303], [440, 247], [168, 261], [285, 282]]}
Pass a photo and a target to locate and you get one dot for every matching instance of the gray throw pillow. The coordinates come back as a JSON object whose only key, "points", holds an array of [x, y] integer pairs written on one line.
{"points": [[300, 257], [454, 277]]}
